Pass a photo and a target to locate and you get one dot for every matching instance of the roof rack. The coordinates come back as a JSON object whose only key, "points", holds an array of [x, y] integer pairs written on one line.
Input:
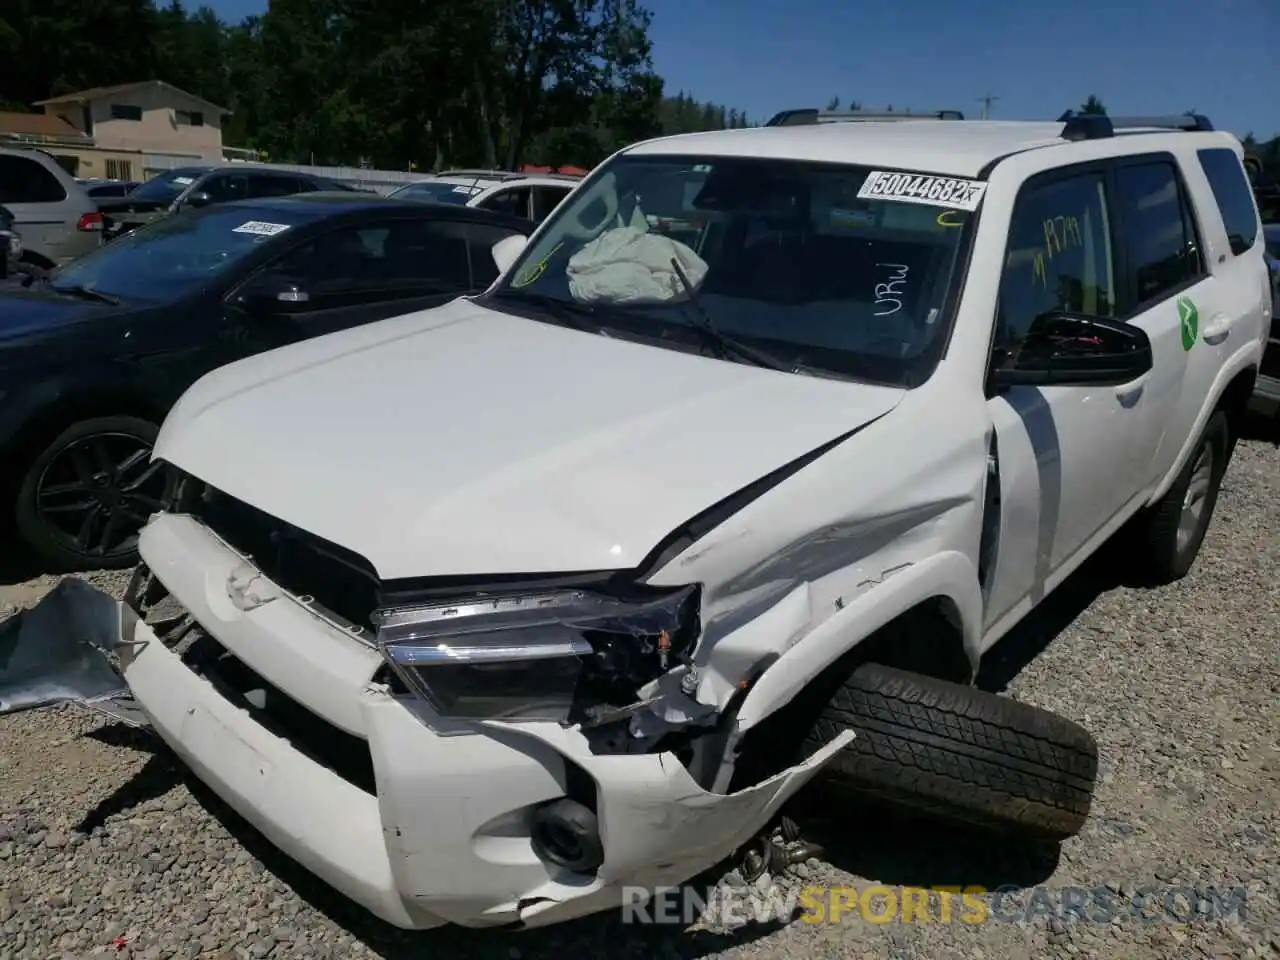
{"points": [[811, 115], [1084, 126]]}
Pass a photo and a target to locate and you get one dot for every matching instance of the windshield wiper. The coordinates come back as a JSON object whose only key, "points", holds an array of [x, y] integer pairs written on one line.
{"points": [[84, 293], [727, 345], [577, 315]]}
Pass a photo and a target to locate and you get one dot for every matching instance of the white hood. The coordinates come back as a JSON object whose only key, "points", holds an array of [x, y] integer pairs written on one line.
{"points": [[462, 440]]}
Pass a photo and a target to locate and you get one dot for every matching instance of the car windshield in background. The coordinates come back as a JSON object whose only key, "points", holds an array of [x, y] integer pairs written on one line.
{"points": [[175, 255], [436, 192], [842, 270], [165, 187]]}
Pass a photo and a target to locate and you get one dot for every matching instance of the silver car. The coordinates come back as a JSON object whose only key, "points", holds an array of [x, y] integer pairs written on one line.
{"points": [[10, 244], [56, 218]]}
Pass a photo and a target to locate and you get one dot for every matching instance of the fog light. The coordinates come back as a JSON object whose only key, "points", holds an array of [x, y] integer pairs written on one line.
{"points": [[567, 834]]}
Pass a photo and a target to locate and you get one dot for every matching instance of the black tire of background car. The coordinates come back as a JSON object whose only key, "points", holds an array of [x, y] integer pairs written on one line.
{"points": [[1157, 532], [957, 753], [34, 265], [48, 548]]}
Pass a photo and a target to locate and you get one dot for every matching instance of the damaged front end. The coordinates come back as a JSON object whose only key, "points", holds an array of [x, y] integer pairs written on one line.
{"points": [[525, 756]]}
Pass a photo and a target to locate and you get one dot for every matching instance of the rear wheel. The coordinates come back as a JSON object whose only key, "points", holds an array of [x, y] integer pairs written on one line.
{"points": [[957, 753], [1171, 532], [88, 492]]}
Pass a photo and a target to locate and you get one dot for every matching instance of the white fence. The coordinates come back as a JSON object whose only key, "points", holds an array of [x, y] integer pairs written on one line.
{"points": [[381, 181]]}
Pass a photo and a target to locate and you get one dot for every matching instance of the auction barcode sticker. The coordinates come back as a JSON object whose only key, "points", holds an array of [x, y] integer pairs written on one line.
{"points": [[261, 228], [918, 188]]}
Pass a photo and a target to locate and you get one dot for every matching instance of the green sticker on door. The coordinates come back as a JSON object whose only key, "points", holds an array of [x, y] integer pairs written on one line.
{"points": [[1189, 320]]}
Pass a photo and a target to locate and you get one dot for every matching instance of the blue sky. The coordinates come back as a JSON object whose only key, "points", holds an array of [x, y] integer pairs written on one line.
{"points": [[1039, 57]]}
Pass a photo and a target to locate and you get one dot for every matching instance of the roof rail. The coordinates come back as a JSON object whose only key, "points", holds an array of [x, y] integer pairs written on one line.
{"points": [[811, 115], [1084, 126]]}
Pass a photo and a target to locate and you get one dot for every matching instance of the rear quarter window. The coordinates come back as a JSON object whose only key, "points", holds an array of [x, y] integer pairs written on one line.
{"points": [[1234, 196], [23, 180]]}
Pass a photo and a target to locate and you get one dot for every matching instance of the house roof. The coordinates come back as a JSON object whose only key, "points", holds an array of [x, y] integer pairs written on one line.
{"points": [[38, 124], [97, 93]]}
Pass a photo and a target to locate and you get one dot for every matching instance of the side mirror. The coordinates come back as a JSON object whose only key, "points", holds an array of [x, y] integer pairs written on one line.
{"points": [[198, 199], [272, 294], [1061, 350], [507, 250]]}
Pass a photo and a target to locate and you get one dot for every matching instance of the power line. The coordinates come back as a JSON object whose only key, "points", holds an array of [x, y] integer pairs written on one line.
{"points": [[986, 104]]}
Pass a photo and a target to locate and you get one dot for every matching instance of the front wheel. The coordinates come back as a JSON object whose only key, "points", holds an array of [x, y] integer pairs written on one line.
{"points": [[85, 497]]}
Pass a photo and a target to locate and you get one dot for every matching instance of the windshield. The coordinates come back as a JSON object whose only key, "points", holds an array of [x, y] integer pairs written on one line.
{"points": [[165, 187], [842, 270], [175, 255], [437, 192]]}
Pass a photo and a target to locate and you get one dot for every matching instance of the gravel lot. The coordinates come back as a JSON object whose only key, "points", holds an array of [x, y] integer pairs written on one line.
{"points": [[107, 848]]}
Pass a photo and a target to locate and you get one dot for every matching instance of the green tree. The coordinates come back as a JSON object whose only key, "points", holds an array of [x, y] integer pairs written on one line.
{"points": [[418, 84], [1093, 107]]}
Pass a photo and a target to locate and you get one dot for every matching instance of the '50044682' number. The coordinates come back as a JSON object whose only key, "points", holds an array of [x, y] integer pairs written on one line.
{"points": [[917, 188]]}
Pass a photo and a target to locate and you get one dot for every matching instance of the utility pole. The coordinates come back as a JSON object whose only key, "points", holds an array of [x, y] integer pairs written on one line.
{"points": [[986, 104]]}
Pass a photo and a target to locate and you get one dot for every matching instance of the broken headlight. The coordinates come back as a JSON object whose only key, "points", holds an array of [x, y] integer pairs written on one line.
{"points": [[562, 656]]}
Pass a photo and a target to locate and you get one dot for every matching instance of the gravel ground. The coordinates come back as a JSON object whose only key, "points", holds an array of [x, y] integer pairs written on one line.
{"points": [[107, 848]]}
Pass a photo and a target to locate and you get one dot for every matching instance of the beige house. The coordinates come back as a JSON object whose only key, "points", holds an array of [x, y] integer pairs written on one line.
{"points": [[124, 132]]}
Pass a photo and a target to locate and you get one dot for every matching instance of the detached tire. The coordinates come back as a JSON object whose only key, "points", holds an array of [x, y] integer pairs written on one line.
{"points": [[958, 753]]}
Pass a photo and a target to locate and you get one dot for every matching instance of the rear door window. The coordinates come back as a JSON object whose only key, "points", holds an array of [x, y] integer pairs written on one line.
{"points": [[1159, 231], [23, 180], [1234, 196]]}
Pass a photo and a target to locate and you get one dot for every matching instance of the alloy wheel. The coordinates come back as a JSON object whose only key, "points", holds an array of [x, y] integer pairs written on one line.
{"points": [[1196, 498], [97, 492]]}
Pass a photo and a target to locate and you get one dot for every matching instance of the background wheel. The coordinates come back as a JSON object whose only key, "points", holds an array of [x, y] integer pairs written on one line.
{"points": [[1171, 532], [958, 753], [86, 495]]}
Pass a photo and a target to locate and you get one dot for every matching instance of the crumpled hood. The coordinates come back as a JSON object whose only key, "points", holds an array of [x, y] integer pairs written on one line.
{"points": [[463, 440]]}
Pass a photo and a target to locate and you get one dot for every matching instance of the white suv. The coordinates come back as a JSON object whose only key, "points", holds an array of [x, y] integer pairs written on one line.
{"points": [[529, 195], [489, 613]]}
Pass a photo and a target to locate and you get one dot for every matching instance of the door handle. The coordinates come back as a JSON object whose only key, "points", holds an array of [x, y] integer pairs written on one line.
{"points": [[1217, 329]]}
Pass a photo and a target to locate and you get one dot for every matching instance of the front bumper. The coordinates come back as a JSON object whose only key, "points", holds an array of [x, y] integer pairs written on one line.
{"points": [[441, 831]]}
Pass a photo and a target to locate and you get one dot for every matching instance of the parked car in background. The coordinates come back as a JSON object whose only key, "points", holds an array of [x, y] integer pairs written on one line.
{"points": [[202, 186], [10, 244], [106, 189], [1267, 393], [1266, 188], [529, 195], [57, 219], [91, 358]]}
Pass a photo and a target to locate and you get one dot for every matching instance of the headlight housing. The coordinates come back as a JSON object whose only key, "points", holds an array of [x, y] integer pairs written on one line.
{"points": [[556, 656]]}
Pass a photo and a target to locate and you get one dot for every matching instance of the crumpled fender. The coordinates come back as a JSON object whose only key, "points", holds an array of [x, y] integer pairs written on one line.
{"points": [[949, 574]]}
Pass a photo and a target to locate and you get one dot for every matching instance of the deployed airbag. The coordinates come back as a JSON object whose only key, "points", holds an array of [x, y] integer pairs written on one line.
{"points": [[628, 265]]}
